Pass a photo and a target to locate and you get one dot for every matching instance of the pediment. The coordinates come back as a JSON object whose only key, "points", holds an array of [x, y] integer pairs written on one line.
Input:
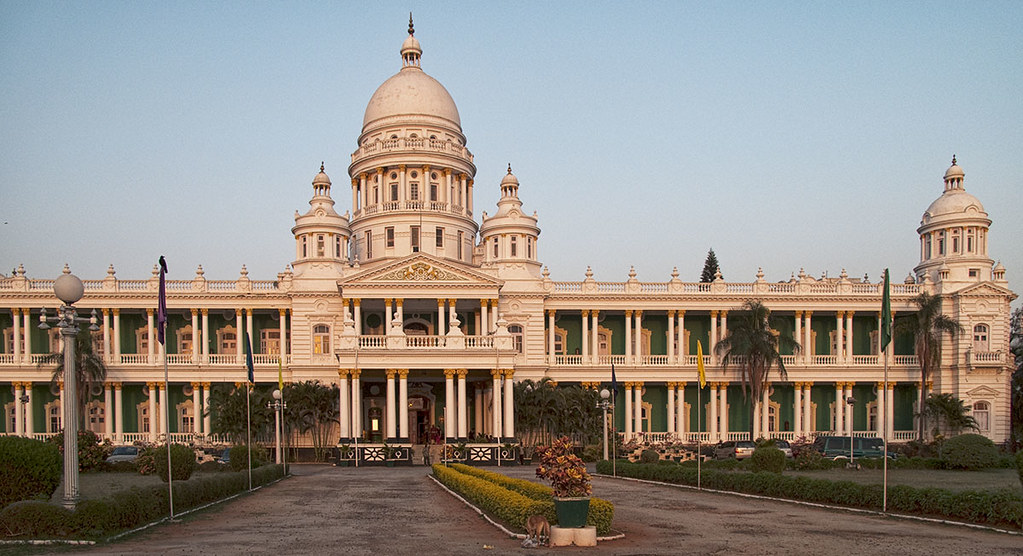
{"points": [[982, 392], [421, 269], [985, 289]]}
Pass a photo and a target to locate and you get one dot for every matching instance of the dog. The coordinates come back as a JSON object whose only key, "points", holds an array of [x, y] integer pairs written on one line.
{"points": [[538, 529]]}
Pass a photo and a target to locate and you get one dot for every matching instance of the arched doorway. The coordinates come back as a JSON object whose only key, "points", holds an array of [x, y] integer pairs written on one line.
{"points": [[420, 420]]}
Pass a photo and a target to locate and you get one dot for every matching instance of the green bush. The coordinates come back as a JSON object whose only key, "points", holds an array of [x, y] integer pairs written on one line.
{"points": [[92, 453], [649, 456], [767, 458], [146, 462], [35, 519], [240, 457], [810, 460], [1019, 465], [592, 452], [212, 467], [182, 462], [31, 468], [969, 451]]}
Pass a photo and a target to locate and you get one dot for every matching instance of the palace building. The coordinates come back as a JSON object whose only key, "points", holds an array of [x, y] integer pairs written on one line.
{"points": [[425, 312]]}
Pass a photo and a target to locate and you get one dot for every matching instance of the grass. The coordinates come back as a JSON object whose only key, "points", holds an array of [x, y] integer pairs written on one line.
{"points": [[921, 478], [93, 486]]}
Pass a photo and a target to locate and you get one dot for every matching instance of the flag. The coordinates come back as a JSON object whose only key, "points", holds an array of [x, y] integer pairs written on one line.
{"points": [[699, 364], [280, 373], [248, 358], [886, 313], [161, 304], [614, 381]]}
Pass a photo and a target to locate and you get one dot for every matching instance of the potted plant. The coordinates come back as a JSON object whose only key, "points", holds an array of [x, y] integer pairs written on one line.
{"points": [[344, 455], [389, 453], [569, 480]]}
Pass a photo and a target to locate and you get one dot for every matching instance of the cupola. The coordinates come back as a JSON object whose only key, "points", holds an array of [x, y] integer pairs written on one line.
{"points": [[509, 237], [321, 234]]}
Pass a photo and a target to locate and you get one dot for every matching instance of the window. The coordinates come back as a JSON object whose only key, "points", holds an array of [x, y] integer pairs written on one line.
{"points": [[460, 239], [433, 192], [97, 416], [413, 191], [415, 239], [941, 243], [389, 236], [955, 241], [980, 338], [394, 192], [529, 247], [927, 246], [321, 338], [495, 248], [376, 195], [270, 341], [969, 241], [974, 273], [982, 414], [142, 340], [514, 246], [185, 339], [369, 244], [559, 342], [304, 247], [53, 419], [440, 237], [186, 417], [142, 410], [516, 332], [227, 340], [337, 247], [320, 249]]}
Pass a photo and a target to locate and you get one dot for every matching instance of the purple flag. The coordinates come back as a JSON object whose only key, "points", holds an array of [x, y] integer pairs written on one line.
{"points": [[161, 308]]}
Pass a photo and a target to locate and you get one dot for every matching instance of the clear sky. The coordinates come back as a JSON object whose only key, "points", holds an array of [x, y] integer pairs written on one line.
{"points": [[784, 135]]}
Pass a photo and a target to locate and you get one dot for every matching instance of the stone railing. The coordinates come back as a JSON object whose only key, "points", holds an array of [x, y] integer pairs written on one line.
{"points": [[743, 289], [560, 360]]}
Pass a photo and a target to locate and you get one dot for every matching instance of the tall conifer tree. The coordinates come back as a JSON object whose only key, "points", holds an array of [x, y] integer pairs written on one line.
{"points": [[710, 267]]}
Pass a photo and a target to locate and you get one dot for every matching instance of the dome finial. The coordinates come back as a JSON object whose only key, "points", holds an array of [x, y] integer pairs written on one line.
{"points": [[321, 165], [953, 160], [411, 27], [509, 167]]}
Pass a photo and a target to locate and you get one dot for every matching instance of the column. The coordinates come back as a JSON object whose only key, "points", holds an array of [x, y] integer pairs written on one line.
{"points": [[495, 400], [680, 410], [118, 413], [797, 408], [880, 352], [724, 324], [357, 315], [162, 406], [494, 317], [637, 407], [713, 421], [671, 339], [683, 348], [463, 406], [639, 337], [196, 336], [206, 418], [239, 347], [399, 303], [106, 336], [755, 433], [468, 196], [585, 336], [671, 408], [248, 330], [890, 410], [849, 336], [839, 408], [484, 320], [205, 338], [881, 407], [389, 424], [355, 195], [799, 329], [628, 409], [19, 410], [151, 337], [282, 333], [26, 330], [808, 424], [628, 342], [16, 315], [594, 337], [477, 402], [30, 428], [550, 337], [713, 338], [356, 404], [809, 350], [840, 337], [388, 314], [343, 412], [197, 409], [441, 321], [402, 189], [509, 406], [765, 407], [849, 414], [449, 405], [723, 410], [108, 406], [152, 411], [403, 405]]}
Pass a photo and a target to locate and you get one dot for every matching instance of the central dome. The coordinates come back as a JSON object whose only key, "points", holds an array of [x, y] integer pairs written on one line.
{"points": [[411, 92]]}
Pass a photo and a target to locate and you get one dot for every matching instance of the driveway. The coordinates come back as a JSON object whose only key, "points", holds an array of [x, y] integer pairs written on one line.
{"points": [[337, 510]]}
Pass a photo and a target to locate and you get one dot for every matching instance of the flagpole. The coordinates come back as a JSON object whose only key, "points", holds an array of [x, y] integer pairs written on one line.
{"points": [[886, 339], [248, 431], [884, 421], [699, 438], [161, 322]]}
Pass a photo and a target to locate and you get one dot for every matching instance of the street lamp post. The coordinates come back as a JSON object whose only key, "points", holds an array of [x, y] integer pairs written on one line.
{"points": [[604, 404], [69, 289], [278, 405], [851, 401]]}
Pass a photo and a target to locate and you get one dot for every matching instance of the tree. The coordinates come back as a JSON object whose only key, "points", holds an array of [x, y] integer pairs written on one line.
{"points": [[710, 267], [545, 411], [313, 408], [950, 414], [1016, 347], [90, 372], [927, 327], [754, 347], [228, 403]]}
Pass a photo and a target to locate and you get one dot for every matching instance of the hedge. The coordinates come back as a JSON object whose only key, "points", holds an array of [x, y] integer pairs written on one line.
{"points": [[1001, 507], [31, 468], [96, 519], [506, 505], [601, 511], [969, 451], [182, 462]]}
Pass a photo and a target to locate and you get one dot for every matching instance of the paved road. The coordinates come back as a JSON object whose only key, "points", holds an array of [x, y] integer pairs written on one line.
{"points": [[328, 510]]}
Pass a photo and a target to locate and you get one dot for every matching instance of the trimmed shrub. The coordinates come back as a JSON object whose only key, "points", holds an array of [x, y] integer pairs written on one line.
{"points": [[969, 451], [649, 456], [809, 460], [35, 518], [182, 462], [240, 457], [506, 505], [146, 462], [767, 458], [31, 468], [92, 453]]}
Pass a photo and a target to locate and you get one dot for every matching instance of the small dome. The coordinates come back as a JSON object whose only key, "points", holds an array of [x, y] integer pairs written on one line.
{"points": [[954, 171], [322, 178], [999, 267], [509, 178], [411, 44], [954, 201]]}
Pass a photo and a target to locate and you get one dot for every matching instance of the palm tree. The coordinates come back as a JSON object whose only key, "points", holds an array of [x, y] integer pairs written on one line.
{"points": [[950, 413], [313, 408], [90, 371], [927, 326], [754, 347]]}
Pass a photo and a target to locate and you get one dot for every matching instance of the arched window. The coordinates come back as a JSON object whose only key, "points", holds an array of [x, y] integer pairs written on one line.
{"points": [[980, 342], [321, 338], [516, 331], [982, 414]]}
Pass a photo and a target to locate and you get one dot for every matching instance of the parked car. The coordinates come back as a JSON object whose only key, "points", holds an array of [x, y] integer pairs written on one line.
{"points": [[740, 449], [838, 447], [123, 453], [784, 446]]}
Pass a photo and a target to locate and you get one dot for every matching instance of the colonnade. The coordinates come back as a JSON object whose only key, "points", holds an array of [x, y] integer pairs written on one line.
{"points": [[486, 317]]}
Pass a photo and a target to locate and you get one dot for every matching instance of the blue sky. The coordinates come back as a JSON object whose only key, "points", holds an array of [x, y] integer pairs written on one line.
{"points": [[783, 135]]}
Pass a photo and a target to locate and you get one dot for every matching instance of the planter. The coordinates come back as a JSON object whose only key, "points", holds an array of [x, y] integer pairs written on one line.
{"points": [[342, 463], [389, 463], [572, 512]]}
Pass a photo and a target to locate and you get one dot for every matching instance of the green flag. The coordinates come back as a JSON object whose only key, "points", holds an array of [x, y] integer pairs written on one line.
{"points": [[886, 313]]}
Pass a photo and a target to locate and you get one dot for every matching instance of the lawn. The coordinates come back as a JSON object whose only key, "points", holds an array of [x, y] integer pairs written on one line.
{"points": [[100, 485], [921, 478]]}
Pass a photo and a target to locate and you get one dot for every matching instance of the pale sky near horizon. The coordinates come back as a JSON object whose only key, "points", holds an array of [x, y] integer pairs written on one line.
{"points": [[783, 135]]}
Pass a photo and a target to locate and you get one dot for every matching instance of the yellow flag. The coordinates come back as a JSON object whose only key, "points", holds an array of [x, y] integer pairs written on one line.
{"points": [[699, 364], [280, 374]]}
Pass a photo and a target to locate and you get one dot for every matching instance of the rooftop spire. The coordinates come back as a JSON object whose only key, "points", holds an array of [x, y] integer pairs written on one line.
{"points": [[509, 167], [321, 165], [411, 27], [953, 160]]}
